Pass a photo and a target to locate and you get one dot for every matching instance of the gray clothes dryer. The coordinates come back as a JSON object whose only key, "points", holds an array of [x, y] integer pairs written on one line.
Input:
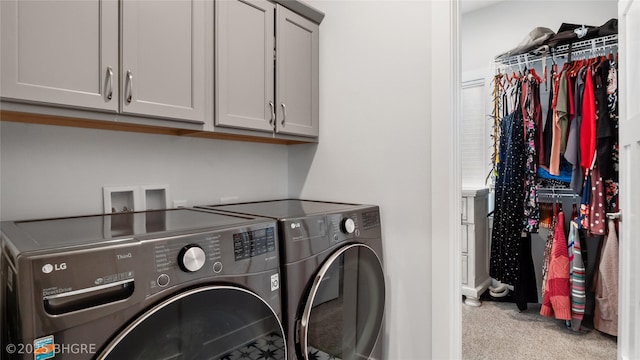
{"points": [[166, 284], [334, 286]]}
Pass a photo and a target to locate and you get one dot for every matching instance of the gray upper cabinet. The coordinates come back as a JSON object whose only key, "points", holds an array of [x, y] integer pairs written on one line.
{"points": [[266, 68], [67, 53], [245, 47], [236, 69], [163, 59], [297, 72], [60, 52]]}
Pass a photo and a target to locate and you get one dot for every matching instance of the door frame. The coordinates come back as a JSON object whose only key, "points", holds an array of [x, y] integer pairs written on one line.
{"points": [[628, 311], [452, 349], [446, 187]]}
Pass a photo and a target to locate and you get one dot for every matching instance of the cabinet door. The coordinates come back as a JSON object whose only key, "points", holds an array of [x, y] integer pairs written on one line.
{"points": [[60, 52], [244, 64], [163, 59], [297, 74]]}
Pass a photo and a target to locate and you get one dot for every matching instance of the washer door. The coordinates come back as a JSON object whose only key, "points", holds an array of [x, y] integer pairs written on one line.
{"points": [[343, 313], [214, 322]]}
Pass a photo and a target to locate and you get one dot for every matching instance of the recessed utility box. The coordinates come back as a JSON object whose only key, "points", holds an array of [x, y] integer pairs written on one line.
{"points": [[119, 199], [155, 197]]}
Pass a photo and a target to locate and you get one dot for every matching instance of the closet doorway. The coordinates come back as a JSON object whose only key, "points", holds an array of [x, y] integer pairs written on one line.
{"points": [[503, 22]]}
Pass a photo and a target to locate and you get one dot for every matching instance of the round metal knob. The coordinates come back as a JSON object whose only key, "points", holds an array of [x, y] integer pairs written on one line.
{"points": [[348, 226], [191, 258]]}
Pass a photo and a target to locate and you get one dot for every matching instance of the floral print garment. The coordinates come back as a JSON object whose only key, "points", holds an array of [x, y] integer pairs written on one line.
{"points": [[531, 219], [611, 184]]}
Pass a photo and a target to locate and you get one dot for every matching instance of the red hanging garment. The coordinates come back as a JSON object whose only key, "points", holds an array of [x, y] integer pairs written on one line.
{"points": [[588, 124], [555, 299]]}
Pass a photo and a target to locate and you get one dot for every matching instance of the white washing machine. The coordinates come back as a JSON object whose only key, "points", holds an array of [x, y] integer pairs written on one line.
{"points": [[166, 284], [334, 285]]}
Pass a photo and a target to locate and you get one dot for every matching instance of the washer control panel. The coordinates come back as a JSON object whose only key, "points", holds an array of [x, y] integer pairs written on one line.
{"points": [[189, 253], [230, 252]]}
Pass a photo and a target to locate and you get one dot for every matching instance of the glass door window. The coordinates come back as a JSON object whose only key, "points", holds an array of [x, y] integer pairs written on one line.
{"points": [[343, 314], [216, 322]]}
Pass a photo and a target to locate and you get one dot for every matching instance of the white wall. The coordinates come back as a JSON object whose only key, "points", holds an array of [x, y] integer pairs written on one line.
{"points": [[495, 29], [375, 146], [378, 145], [52, 171]]}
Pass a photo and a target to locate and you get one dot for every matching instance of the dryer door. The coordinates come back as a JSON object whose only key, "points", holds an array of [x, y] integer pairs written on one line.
{"points": [[343, 313], [214, 322]]}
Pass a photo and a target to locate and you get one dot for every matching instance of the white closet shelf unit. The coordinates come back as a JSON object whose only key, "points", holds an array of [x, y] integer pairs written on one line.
{"points": [[576, 50]]}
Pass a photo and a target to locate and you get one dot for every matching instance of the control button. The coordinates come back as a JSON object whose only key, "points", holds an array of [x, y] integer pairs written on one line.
{"points": [[217, 267], [163, 280], [335, 238], [357, 232], [191, 258], [348, 226]]}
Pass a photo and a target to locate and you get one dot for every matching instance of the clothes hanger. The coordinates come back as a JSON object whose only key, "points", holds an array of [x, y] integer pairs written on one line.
{"points": [[574, 211], [600, 60], [554, 64], [514, 76], [508, 81], [537, 78], [531, 71], [572, 67], [576, 67], [520, 74], [581, 31], [592, 62], [499, 79]]}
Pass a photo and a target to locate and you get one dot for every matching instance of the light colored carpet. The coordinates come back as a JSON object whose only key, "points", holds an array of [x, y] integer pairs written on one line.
{"points": [[497, 330]]}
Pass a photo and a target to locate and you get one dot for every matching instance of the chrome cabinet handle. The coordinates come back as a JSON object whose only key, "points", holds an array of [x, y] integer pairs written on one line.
{"points": [[273, 113], [109, 83], [129, 86], [284, 113]]}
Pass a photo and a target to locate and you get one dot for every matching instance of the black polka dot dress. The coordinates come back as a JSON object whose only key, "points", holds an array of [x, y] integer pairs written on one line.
{"points": [[509, 200]]}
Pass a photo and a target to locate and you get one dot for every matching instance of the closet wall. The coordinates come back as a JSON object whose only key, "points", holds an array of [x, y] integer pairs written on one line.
{"points": [[492, 30]]}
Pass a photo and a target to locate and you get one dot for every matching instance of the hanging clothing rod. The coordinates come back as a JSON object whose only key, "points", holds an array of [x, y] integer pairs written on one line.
{"points": [[597, 46], [556, 193]]}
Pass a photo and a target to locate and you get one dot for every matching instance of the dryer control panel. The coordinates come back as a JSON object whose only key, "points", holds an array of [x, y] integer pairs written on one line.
{"points": [[311, 235]]}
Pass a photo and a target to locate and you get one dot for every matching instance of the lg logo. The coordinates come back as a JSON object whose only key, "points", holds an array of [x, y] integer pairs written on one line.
{"points": [[295, 225], [48, 268]]}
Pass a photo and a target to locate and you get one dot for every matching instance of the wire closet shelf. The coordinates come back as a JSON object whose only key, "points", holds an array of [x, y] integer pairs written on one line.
{"points": [[600, 46]]}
